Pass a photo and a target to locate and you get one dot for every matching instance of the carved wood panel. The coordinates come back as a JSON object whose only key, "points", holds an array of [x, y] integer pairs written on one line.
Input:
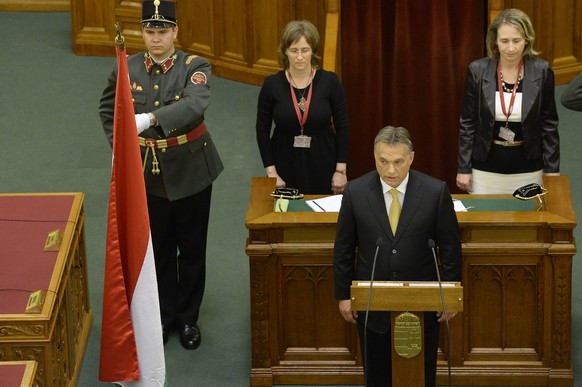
{"points": [[512, 292], [310, 324], [239, 37]]}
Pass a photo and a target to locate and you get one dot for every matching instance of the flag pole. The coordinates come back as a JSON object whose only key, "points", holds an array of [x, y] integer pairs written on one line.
{"points": [[132, 349], [119, 39]]}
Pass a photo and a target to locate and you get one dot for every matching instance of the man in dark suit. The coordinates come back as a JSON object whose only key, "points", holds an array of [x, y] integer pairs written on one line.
{"points": [[572, 96], [171, 93], [426, 213]]}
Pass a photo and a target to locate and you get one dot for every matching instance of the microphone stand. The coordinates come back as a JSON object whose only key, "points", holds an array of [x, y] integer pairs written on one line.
{"points": [[379, 242], [431, 244]]}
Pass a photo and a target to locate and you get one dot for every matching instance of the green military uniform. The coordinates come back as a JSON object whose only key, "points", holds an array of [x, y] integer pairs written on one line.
{"points": [[177, 92], [178, 178]]}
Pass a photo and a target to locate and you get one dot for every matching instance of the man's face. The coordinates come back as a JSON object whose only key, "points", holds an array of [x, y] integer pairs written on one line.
{"points": [[160, 41], [392, 162]]}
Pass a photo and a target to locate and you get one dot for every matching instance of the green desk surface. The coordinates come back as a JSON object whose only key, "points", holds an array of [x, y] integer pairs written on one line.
{"points": [[472, 205], [504, 204], [298, 206]]}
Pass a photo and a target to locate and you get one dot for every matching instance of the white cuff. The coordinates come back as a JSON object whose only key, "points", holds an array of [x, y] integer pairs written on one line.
{"points": [[142, 121]]}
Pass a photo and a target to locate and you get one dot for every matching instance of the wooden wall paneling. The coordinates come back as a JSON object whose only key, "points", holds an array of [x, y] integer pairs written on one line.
{"points": [[331, 44], [310, 326], [196, 34], [313, 11], [231, 32], [92, 27], [238, 37], [567, 55], [244, 28], [560, 336], [266, 32], [499, 283]]}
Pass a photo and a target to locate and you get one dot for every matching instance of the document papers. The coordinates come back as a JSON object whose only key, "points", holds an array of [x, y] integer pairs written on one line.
{"points": [[327, 204], [459, 206], [334, 202]]}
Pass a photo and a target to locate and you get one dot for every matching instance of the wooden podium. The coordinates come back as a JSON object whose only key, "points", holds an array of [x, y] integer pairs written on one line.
{"points": [[515, 329], [401, 299]]}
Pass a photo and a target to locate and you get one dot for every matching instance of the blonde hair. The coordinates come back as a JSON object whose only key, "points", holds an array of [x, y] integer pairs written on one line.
{"points": [[519, 20]]}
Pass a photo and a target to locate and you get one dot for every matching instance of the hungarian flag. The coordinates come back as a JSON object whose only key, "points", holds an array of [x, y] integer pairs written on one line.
{"points": [[132, 351]]}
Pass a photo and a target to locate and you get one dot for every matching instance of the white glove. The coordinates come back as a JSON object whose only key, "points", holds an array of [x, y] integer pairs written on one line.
{"points": [[142, 121]]}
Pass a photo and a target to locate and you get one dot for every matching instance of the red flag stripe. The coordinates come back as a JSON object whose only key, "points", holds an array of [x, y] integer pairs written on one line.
{"points": [[127, 239]]}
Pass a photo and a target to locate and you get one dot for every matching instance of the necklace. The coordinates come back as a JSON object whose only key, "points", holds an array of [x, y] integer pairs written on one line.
{"points": [[301, 102], [507, 89]]}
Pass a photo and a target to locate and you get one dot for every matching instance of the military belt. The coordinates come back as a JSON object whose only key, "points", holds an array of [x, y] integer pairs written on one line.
{"points": [[163, 144], [170, 142]]}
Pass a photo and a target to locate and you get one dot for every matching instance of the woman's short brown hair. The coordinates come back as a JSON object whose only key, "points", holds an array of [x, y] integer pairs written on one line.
{"points": [[292, 32], [519, 20]]}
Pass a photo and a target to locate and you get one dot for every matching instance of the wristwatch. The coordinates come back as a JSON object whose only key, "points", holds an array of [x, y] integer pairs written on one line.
{"points": [[152, 118]]}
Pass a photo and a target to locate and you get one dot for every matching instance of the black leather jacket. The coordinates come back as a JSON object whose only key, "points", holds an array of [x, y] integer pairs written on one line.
{"points": [[539, 115]]}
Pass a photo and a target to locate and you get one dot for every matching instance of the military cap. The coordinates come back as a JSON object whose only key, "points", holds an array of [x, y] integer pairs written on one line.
{"points": [[159, 14]]}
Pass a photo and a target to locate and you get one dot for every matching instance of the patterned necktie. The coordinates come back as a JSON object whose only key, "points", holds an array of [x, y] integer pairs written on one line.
{"points": [[394, 212]]}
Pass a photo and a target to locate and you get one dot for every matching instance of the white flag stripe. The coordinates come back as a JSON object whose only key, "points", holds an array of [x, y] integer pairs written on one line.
{"points": [[147, 326]]}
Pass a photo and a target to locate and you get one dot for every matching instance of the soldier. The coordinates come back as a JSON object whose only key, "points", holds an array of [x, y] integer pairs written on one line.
{"points": [[171, 93]]}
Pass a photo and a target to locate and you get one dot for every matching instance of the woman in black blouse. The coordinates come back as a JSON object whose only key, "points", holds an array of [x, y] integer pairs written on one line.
{"points": [[308, 148]]}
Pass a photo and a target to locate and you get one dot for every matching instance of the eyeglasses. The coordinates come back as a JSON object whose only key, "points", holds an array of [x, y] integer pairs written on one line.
{"points": [[296, 51]]}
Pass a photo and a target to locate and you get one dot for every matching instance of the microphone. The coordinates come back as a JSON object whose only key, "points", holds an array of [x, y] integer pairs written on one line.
{"points": [[379, 242], [431, 245]]}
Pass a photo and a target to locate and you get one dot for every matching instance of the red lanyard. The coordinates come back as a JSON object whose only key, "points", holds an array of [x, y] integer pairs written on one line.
{"points": [[507, 112], [302, 118]]}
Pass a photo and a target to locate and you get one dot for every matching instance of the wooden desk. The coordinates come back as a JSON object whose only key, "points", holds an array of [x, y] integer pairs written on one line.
{"points": [[18, 373], [56, 336], [517, 275]]}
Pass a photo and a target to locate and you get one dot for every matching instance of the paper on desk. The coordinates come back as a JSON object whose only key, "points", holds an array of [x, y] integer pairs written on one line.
{"points": [[459, 206], [333, 204], [327, 204]]}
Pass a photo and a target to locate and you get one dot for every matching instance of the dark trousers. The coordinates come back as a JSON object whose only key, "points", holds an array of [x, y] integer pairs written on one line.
{"points": [[179, 233], [378, 359]]}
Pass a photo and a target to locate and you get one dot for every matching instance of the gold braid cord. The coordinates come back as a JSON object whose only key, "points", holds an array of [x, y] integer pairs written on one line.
{"points": [[155, 163]]}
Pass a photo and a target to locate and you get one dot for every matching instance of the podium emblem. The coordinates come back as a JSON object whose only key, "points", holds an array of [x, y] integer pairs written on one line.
{"points": [[407, 335]]}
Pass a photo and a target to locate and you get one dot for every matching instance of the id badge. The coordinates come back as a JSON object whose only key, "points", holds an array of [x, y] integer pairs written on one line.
{"points": [[506, 134], [302, 141]]}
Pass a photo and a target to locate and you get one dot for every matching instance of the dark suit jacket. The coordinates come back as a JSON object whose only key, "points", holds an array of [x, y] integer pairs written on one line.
{"points": [[572, 96], [427, 213], [539, 114]]}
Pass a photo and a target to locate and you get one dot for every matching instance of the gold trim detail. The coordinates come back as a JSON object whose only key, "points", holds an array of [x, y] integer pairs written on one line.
{"points": [[407, 335]]}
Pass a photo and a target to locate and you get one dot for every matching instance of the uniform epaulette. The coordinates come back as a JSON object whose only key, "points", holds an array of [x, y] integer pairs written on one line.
{"points": [[190, 59]]}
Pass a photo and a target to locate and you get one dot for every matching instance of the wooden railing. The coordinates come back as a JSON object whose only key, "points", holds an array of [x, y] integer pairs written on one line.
{"points": [[331, 36]]}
